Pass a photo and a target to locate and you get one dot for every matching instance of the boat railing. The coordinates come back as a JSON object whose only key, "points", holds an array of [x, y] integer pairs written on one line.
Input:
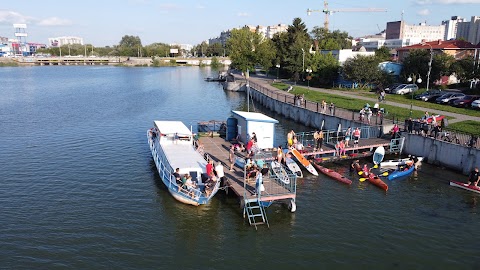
{"points": [[190, 194]]}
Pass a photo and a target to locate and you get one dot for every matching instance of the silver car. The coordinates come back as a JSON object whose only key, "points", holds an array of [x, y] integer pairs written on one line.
{"points": [[403, 89]]}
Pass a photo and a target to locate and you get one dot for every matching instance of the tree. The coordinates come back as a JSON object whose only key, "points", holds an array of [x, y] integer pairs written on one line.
{"points": [[215, 49], [383, 54], [326, 68], [363, 70], [293, 49], [464, 68], [247, 49], [327, 40], [417, 63], [130, 46]]}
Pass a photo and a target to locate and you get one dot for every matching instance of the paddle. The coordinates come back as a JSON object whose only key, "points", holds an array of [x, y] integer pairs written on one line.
{"points": [[362, 179], [375, 166], [360, 172], [384, 174]]}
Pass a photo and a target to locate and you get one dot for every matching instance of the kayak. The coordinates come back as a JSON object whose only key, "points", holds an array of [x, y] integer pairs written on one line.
{"points": [[396, 162], [280, 172], [378, 155], [333, 174], [302, 160], [293, 167], [464, 186], [372, 178], [400, 173]]}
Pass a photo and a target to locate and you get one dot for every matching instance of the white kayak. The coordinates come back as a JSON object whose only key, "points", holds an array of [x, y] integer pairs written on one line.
{"points": [[400, 161], [280, 172], [293, 166]]}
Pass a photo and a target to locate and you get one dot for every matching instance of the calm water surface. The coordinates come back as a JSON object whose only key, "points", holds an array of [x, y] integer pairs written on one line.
{"points": [[79, 189]]}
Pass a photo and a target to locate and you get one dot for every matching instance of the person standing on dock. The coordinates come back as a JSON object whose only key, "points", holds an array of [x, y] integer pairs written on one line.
{"points": [[231, 156], [348, 135], [474, 177], [318, 137], [331, 108], [290, 136], [356, 137], [324, 106]]}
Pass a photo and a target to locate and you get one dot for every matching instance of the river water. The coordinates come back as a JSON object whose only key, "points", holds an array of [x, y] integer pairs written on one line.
{"points": [[79, 189]]}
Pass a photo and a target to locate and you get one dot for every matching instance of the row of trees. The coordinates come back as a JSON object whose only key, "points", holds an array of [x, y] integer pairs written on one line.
{"points": [[291, 50]]}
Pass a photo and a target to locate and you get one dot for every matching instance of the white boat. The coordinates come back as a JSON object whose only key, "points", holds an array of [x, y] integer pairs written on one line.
{"points": [[293, 166], [171, 144], [280, 172], [400, 161]]}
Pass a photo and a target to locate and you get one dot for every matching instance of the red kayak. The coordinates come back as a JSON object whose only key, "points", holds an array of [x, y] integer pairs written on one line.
{"points": [[333, 174], [464, 186], [372, 178]]}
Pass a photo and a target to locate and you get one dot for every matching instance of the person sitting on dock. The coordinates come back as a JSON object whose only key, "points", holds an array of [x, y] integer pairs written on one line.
{"points": [[342, 149], [473, 178]]}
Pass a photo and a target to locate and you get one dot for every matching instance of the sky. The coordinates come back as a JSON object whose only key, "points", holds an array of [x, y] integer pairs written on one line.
{"points": [[105, 22]]}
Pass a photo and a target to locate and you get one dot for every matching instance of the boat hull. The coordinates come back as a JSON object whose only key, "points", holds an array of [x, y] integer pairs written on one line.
{"points": [[463, 186], [333, 174], [305, 163], [375, 180], [396, 162], [181, 195], [400, 174]]}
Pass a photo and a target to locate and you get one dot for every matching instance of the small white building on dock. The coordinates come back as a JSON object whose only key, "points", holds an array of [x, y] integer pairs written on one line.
{"points": [[242, 124]]}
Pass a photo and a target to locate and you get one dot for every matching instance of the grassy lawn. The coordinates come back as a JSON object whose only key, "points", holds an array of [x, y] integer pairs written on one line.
{"points": [[349, 103], [470, 127]]}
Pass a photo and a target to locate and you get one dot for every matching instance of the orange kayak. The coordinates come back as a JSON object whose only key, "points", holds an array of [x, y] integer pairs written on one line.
{"points": [[372, 178], [333, 174]]}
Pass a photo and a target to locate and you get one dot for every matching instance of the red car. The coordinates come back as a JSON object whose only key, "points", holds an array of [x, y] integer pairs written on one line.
{"points": [[464, 102]]}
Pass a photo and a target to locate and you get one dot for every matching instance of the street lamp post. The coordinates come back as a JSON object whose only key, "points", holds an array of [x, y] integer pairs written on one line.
{"points": [[309, 77], [429, 63], [413, 78], [303, 60], [278, 69]]}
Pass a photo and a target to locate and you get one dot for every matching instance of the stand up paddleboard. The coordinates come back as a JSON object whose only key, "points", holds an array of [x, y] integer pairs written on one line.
{"points": [[464, 186], [302, 160], [378, 155]]}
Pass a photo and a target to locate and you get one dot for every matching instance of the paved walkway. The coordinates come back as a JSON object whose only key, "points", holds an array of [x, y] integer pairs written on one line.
{"points": [[457, 117]]}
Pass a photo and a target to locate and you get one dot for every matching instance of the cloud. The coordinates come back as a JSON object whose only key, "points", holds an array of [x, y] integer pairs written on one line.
{"points": [[423, 12], [54, 21], [243, 14], [7, 16]]}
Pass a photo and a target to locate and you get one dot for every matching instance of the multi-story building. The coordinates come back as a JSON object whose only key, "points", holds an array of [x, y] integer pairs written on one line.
{"points": [[268, 32], [451, 27], [60, 41], [401, 30], [469, 31], [275, 29]]}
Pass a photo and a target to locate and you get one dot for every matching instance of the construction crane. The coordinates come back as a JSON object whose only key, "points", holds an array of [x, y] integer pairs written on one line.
{"points": [[328, 11]]}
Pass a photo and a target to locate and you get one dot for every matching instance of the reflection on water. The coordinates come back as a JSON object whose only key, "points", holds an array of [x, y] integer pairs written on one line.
{"points": [[80, 188]]}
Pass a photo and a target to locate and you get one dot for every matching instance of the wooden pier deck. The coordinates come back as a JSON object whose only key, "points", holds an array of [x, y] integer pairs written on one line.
{"points": [[218, 150]]}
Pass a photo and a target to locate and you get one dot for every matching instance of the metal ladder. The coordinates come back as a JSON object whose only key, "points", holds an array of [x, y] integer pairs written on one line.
{"points": [[254, 210], [396, 145]]}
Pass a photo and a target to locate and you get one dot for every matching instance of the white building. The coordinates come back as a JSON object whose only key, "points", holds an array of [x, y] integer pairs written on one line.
{"points": [[60, 41], [272, 30], [451, 27], [343, 55], [422, 31]]}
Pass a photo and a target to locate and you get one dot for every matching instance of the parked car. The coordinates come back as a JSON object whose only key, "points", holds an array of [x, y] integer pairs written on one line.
{"points": [[445, 98], [430, 95], [391, 87], [405, 89], [476, 104], [465, 101]]}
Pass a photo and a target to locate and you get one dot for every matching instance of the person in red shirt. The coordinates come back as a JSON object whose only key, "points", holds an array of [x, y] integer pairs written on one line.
{"points": [[209, 169], [249, 146]]}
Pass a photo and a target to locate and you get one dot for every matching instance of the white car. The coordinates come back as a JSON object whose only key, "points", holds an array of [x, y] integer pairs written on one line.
{"points": [[403, 89], [476, 104]]}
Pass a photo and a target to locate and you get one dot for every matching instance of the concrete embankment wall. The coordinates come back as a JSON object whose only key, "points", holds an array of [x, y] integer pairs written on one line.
{"points": [[309, 118], [443, 153]]}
